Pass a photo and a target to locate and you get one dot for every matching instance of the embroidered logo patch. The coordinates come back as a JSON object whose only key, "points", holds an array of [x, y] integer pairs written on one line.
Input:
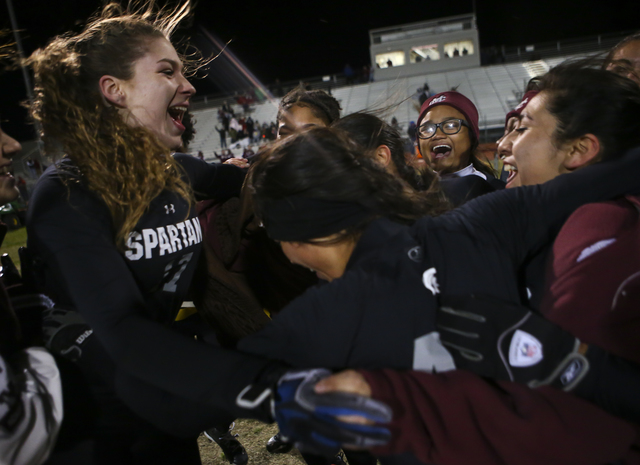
{"points": [[430, 282], [573, 370], [442, 98], [415, 254], [593, 248], [522, 104], [525, 350]]}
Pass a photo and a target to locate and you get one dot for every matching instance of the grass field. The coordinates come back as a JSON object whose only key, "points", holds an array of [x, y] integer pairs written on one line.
{"points": [[12, 242]]}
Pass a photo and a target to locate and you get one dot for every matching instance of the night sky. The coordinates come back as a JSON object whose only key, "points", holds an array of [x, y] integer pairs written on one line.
{"points": [[292, 40]]}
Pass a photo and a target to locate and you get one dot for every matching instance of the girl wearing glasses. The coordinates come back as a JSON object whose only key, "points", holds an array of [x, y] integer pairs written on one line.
{"points": [[448, 135]]}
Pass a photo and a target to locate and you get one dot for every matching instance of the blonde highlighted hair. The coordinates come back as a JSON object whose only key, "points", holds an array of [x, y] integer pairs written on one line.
{"points": [[127, 167]]}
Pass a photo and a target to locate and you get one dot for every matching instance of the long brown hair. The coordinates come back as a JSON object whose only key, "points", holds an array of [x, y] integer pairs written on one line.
{"points": [[127, 167]]}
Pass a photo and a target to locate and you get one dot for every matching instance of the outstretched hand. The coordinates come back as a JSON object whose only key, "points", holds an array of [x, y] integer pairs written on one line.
{"points": [[324, 422], [240, 162]]}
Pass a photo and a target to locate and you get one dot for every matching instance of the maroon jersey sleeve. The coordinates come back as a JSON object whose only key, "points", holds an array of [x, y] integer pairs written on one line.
{"points": [[457, 417], [594, 277]]}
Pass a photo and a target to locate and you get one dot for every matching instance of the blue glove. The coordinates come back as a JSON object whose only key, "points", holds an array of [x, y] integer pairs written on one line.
{"points": [[310, 420]]}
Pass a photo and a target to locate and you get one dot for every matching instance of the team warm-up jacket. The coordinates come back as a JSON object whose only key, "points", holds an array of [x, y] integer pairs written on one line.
{"points": [[381, 313], [131, 297]]}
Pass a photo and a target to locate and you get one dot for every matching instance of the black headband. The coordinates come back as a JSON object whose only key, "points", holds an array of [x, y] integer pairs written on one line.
{"points": [[299, 219]]}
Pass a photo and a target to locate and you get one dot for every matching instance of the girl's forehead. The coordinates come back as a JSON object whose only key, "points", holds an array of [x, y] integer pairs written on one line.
{"points": [[442, 112]]}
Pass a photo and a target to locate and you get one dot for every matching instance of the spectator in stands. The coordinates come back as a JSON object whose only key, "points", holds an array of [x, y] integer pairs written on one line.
{"points": [[248, 153], [448, 134], [412, 131], [366, 71], [389, 63], [301, 109], [224, 156], [223, 136], [624, 58], [200, 155], [249, 124], [348, 74], [227, 109], [234, 129]]}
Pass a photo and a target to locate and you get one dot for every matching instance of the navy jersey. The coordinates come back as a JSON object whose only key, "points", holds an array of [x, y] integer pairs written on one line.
{"points": [[130, 297]]}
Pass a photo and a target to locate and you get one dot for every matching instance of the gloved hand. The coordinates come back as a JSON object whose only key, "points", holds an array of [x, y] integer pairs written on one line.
{"points": [[509, 342], [64, 332], [310, 420]]}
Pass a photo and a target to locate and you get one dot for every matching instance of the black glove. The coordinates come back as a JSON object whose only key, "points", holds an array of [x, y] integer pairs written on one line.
{"points": [[309, 420], [64, 332], [504, 341]]}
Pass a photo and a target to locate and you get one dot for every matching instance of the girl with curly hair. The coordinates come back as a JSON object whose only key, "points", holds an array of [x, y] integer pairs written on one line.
{"points": [[113, 229]]}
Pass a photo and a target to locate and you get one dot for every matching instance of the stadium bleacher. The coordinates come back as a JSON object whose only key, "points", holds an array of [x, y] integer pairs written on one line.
{"points": [[494, 89]]}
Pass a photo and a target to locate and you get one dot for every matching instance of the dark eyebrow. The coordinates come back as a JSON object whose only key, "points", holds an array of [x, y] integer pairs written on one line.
{"points": [[621, 61], [173, 63]]}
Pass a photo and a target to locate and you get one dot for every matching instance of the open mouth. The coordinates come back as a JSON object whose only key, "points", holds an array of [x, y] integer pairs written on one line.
{"points": [[440, 151], [177, 113], [6, 170], [513, 174]]}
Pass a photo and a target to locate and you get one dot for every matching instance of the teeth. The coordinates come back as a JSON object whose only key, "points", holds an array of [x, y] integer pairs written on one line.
{"points": [[442, 146], [182, 109]]}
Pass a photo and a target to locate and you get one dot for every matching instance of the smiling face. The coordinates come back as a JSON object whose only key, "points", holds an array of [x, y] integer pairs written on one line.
{"points": [[505, 144], [8, 148], [298, 118], [537, 159], [447, 153], [157, 96]]}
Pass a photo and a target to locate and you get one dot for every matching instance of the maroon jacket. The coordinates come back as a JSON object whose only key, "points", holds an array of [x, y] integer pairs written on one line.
{"points": [[459, 418], [594, 277]]}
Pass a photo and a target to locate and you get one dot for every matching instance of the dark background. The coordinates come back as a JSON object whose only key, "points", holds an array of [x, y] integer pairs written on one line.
{"points": [[294, 40]]}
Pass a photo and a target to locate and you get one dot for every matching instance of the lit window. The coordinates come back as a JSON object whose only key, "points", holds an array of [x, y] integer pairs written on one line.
{"points": [[424, 53], [458, 49], [389, 59]]}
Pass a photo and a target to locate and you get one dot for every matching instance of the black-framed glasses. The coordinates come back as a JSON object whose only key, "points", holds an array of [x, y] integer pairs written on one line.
{"points": [[449, 127]]}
